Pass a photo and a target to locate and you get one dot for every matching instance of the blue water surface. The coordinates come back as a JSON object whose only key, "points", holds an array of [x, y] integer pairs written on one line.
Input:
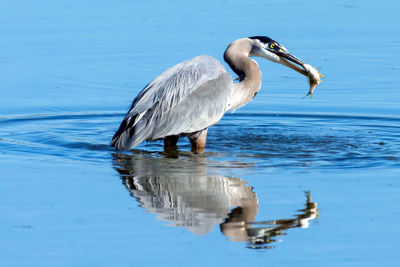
{"points": [[284, 181]]}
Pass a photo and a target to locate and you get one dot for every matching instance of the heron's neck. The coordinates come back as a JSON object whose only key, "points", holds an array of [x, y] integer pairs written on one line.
{"points": [[237, 56]]}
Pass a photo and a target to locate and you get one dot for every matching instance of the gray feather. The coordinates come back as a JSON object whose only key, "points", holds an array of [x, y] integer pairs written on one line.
{"points": [[186, 98]]}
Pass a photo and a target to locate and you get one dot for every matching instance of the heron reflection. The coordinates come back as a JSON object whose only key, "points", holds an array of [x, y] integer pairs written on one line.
{"points": [[188, 192]]}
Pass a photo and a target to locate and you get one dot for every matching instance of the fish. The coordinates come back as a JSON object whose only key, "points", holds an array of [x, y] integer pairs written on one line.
{"points": [[314, 77]]}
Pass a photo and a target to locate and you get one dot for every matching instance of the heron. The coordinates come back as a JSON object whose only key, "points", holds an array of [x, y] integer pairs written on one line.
{"points": [[188, 98]]}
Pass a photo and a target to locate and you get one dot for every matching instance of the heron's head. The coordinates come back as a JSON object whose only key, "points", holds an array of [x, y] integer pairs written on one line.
{"points": [[270, 49]]}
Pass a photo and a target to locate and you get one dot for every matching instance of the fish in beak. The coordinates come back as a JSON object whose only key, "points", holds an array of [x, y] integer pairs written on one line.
{"points": [[314, 77], [272, 50]]}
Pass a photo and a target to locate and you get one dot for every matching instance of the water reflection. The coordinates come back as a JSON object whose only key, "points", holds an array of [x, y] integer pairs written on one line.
{"points": [[262, 234], [185, 191]]}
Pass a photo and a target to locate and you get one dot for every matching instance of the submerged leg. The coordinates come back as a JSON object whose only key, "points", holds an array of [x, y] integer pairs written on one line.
{"points": [[170, 141], [198, 139]]}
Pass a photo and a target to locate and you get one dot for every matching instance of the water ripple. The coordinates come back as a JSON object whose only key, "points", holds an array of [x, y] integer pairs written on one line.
{"points": [[258, 139]]}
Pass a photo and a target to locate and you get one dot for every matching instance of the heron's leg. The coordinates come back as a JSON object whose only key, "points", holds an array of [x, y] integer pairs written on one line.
{"points": [[198, 139], [170, 141]]}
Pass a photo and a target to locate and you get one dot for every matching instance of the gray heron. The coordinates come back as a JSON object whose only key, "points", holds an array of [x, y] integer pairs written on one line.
{"points": [[191, 96]]}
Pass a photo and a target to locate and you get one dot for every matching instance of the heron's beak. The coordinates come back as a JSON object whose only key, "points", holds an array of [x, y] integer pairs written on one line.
{"points": [[284, 57], [314, 77], [290, 61]]}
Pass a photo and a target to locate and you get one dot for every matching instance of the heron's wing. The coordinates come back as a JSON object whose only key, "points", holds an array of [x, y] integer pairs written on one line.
{"points": [[186, 98]]}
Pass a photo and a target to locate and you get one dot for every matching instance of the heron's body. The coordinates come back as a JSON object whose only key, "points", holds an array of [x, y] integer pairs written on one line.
{"points": [[190, 97]]}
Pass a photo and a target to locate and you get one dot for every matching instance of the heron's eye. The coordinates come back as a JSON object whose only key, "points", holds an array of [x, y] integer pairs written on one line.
{"points": [[272, 46]]}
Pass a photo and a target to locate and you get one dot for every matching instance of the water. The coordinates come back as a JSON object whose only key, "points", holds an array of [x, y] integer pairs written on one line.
{"points": [[285, 180]]}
